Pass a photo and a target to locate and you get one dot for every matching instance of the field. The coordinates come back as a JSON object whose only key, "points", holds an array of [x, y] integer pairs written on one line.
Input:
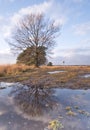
{"points": [[74, 77]]}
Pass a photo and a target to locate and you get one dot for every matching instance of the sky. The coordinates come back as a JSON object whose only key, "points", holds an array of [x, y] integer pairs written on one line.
{"points": [[73, 43]]}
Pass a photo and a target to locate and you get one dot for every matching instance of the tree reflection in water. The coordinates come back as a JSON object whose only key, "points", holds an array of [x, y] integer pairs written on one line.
{"points": [[34, 99]]}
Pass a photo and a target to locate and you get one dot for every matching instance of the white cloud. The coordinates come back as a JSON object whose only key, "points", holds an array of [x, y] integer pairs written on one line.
{"points": [[72, 57], [6, 31], [78, 59], [82, 29], [5, 26], [13, 20], [41, 8], [1, 18], [7, 58], [86, 42], [70, 52], [6, 51], [2, 21], [46, 7], [63, 52]]}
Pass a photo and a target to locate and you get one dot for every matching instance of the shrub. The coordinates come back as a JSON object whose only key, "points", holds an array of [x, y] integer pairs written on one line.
{"points": [[49, 64]]}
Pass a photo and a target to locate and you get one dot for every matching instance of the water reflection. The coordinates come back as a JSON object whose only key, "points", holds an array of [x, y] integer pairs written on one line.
{"points": [[34, 99]]}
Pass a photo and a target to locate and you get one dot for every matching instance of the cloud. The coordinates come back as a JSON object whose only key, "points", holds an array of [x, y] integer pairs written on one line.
{"points": [[41, 8], [85, 41], [72, 51], [13, 20], [6, 51], [47, 7], [7, 58], [71, 56], [5, 26], [7, 30], [77, 59], [1, 18], [82, 28], [79, 51]]}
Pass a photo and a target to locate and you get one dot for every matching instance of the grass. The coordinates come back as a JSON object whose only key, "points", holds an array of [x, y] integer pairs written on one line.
{"points": [[68, 79], [55, 125], [71, 113], [15, 69]]}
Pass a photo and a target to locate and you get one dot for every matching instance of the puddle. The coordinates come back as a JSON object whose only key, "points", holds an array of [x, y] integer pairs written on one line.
{"points": [[4, 85], [86, 76], [54, 72], [31, 108]]}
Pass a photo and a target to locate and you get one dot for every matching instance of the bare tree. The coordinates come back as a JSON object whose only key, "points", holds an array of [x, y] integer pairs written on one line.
{"points": [[34, 30]]}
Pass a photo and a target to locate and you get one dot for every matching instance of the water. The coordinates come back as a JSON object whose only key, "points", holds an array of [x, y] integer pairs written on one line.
{"points": [[31, 108], [54, 72], [86, 76]]}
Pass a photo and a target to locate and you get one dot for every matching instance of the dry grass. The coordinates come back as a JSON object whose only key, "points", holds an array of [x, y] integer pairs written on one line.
{"points": [[71, 78], [14, 69], [17, 68]]}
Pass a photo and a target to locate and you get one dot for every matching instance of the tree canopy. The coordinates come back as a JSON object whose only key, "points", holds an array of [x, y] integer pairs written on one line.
{"points": [[28, 56], [33, 32]]}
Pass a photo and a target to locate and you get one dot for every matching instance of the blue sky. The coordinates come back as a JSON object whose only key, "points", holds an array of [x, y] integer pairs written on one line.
{"points": [[73, 45]]}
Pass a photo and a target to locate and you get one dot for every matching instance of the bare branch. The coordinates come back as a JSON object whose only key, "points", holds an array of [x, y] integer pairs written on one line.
{"points": [[34, 30]]}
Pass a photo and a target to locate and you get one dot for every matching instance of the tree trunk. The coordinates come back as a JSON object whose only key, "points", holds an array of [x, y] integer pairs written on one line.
{"points": [[36, 59]]}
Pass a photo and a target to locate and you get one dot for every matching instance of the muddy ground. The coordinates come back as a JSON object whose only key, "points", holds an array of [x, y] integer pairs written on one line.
{"points": [[74, 77]]}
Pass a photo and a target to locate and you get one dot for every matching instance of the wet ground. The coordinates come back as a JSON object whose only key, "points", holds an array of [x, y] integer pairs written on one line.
{"points": [[54, 72], [32, 108]]}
